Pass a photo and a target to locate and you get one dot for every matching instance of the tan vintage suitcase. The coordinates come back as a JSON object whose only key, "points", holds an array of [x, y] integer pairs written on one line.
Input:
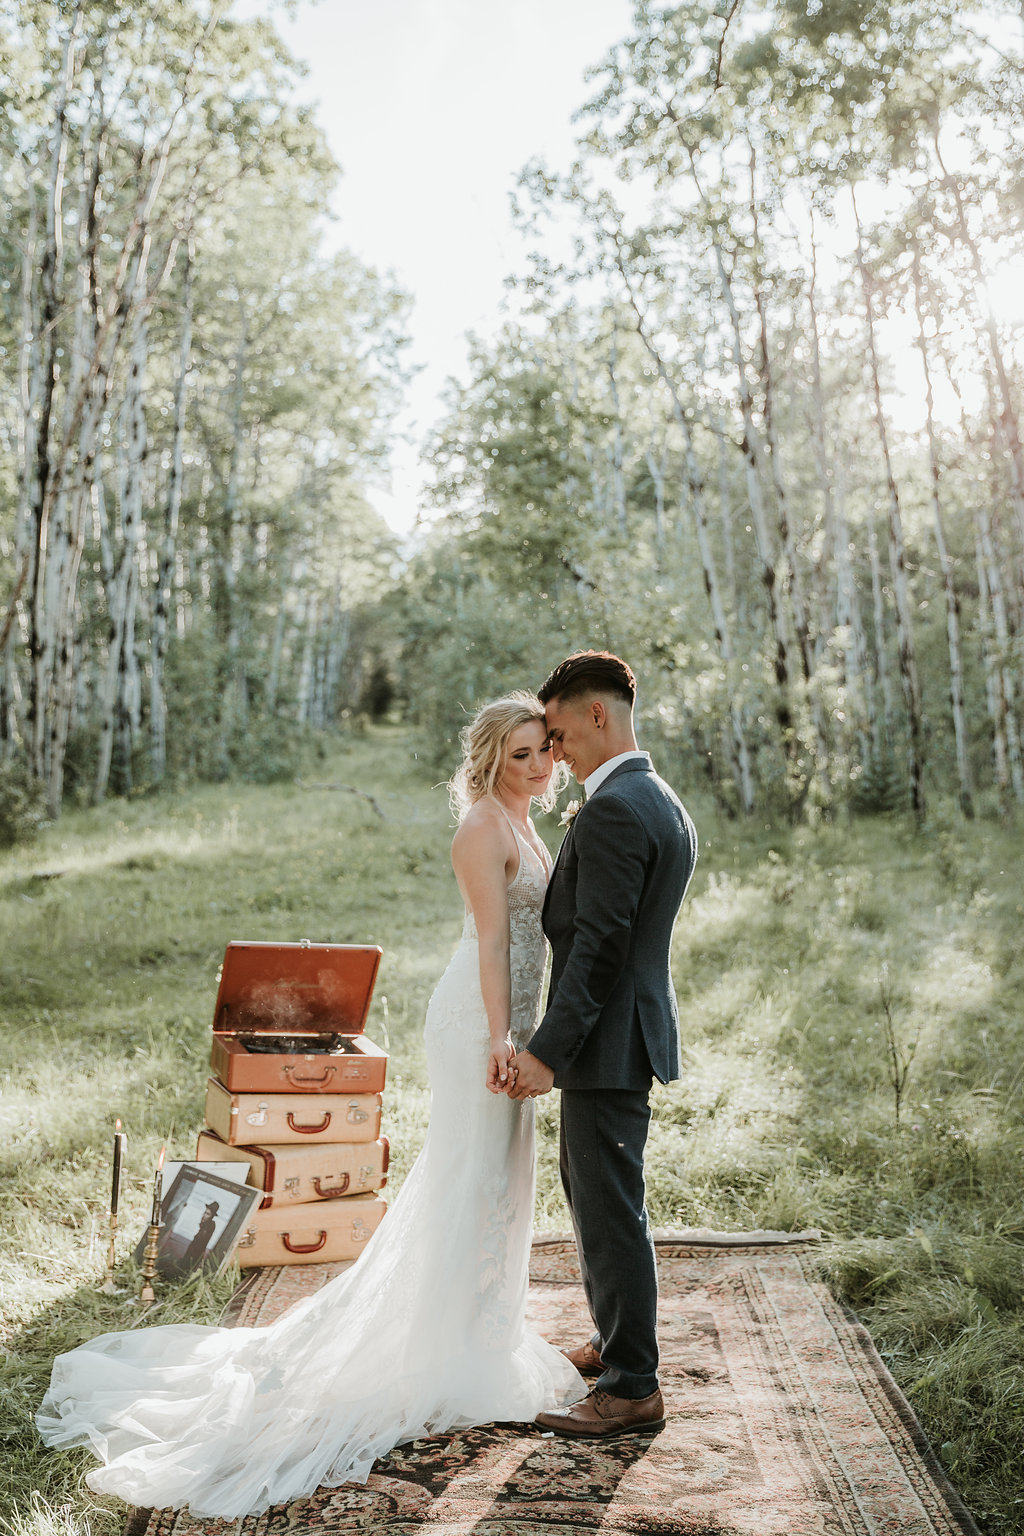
{"points": [[270, 1119], [321, 1233], [289, 1018], [291, 1175]]}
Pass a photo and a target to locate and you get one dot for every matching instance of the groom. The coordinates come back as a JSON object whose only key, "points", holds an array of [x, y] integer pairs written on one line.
{"points": [[610, 1026]]}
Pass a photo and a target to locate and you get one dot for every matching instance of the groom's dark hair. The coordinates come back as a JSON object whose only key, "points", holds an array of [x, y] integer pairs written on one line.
{"points": [[589, 672]]}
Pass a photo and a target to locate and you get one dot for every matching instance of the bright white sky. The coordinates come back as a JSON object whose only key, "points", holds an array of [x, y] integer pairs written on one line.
{"points": [[432, 107]]}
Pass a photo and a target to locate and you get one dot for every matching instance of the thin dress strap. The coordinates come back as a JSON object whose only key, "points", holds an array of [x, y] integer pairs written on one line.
{"points": [[522, 843]]}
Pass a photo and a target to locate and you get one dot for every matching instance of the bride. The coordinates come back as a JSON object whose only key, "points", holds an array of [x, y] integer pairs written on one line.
{"points": [[425, 1333]]}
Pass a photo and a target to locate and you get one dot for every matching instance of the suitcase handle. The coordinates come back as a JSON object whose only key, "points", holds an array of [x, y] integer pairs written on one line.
{"points": [[293, 1073], [331, 1194], [304, 1247], [309, 1130]]}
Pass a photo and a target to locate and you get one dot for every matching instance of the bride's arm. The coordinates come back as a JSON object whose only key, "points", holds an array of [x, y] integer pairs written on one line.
{"points": [[481, 851]]}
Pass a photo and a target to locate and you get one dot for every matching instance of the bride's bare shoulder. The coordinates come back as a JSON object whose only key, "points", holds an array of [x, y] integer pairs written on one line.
{"points": [[483, 833]]}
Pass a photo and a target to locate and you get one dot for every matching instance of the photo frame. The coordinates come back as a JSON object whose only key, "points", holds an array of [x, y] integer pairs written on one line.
{"points": [[202, 1214]]}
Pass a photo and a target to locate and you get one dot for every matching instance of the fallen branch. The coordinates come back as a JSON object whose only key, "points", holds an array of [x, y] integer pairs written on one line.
{"points": [[349, 789]]}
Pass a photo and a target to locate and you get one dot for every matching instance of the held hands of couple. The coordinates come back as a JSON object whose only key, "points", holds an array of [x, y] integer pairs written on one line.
{"points": [[530, 1077], [521, 1077], [501, 1067]]}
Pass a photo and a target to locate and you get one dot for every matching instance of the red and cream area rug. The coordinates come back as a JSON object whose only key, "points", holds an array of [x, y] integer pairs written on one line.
{"points": [[782, 1421]]}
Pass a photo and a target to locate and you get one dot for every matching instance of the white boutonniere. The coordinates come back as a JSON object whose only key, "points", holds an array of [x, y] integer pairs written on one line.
{"points": [[570, 813]]}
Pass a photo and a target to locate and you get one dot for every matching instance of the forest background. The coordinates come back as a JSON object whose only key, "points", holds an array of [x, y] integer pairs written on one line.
{"points": [[689, 439]]}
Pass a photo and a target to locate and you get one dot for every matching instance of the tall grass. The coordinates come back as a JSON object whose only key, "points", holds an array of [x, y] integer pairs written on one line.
{"points": [[113, 924]]}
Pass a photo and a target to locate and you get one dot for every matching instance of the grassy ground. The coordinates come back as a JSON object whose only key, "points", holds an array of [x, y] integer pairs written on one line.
{"points": [[112, 927]]}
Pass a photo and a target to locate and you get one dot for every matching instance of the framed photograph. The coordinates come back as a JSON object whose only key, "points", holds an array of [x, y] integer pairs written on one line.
{"points": [[201, 1216]]}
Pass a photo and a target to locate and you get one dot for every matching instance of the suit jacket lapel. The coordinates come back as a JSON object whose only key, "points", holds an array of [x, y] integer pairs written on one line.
{"points": [[551, 881]]}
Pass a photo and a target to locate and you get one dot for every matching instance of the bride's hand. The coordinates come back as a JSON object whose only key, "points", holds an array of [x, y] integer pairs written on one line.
{"points": [[501, 1068]]}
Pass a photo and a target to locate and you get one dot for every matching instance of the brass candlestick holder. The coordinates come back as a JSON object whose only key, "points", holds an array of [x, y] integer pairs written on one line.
{"points": [[147, 1295], [108, 1287]]}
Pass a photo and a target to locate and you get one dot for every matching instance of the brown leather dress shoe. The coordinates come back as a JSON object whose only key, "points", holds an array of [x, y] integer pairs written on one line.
{"points": [[585, 1358], [599, 1416]]}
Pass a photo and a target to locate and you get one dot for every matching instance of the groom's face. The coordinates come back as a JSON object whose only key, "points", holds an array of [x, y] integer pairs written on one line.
{"points": [[576, 736]]}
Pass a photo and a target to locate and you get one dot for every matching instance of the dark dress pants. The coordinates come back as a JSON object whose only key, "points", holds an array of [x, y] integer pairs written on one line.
{"points": [[603, 1134]]}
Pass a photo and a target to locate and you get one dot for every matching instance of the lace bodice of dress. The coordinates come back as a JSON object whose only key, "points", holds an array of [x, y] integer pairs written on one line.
{"points": [[527, 944]]}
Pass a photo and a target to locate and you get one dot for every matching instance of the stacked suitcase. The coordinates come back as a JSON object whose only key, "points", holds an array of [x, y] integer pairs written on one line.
{"points": [[296, 1094]]}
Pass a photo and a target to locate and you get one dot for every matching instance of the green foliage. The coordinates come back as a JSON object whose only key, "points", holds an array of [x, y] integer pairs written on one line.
{"points": [[881, 787], [22, 804]]}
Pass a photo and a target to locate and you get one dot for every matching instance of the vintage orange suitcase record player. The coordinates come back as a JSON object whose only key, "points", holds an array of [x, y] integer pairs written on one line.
{"points": [[290, 1018]]}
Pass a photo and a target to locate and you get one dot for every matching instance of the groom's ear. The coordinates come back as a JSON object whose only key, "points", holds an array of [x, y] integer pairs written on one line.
{"points": [[598, 713]]}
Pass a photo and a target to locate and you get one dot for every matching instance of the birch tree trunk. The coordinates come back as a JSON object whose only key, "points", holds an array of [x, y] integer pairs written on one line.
{"points": [[228, 558], [994, 695], [837, 539], [617, 451], [41, 473], [897, 553], [956, 667], [740, 755], [122, 593], [882, 738], [1006, 689], [794, 581], [1006, 419], [657, 466], [168, 546]]}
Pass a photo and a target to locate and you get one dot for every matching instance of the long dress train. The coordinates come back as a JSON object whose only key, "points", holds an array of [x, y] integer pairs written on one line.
{"points": [[424, 1334]]}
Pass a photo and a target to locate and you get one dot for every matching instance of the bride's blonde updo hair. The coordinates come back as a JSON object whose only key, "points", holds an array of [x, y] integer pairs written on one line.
{"points": [[484, 743]]}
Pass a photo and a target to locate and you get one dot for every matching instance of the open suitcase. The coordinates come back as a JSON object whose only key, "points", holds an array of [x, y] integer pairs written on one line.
{"points": [[289, 1018]]}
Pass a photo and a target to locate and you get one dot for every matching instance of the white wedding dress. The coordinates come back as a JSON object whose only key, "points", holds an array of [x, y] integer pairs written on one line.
{"points": [[424, 1334]]}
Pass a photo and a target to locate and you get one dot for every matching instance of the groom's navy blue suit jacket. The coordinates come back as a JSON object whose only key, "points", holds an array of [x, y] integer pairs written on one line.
{"points": [[617, 885]]}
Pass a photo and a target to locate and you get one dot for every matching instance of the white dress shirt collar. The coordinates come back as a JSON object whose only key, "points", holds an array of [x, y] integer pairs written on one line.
{"points": [[596, 779]]}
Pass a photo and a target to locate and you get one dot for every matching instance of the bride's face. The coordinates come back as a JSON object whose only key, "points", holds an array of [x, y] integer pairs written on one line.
{"points": [[529, 763]]}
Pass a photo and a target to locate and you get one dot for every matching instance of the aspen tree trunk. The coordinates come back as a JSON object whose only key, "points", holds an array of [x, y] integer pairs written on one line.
{"points": [[121, 589], [231, 708], [794, 581], [304, 689], [657, 465], [855, 661], [740, 755], [127, 698], [289, 583], [994, 696], [617, 454], [1006, 419], [883, 739], [1006, 695], [739, 598], [897, 554], [750, 446], [956, 668], [69, 523], [837, 538], [41, 473], [762, 538], [14, 626], [337, 648], [168, 546]]}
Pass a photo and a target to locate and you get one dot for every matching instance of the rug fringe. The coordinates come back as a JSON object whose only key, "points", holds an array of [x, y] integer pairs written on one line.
{"points": [[703, 1237]]}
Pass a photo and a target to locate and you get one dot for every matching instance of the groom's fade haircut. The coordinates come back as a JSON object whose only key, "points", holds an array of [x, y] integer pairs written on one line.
{"points": [[587, 672]]}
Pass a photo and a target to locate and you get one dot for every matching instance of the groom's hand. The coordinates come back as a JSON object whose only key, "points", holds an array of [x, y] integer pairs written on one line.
{"points": [[533, 1078]]}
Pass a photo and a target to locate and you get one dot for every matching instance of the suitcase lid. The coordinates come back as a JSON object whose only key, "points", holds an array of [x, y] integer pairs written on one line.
{"points": [[295, 988]]}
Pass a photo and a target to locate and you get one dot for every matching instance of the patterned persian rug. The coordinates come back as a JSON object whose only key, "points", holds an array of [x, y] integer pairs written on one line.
{"points": [[783, 1421]]}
